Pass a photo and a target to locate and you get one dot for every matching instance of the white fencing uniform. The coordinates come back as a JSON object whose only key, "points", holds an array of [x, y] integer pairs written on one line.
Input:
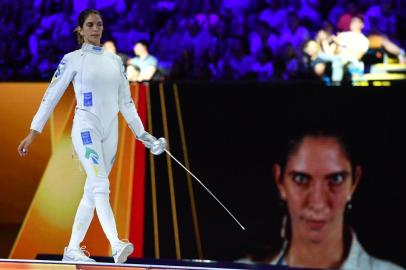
{"points": [[357, 258], [101, 91]]}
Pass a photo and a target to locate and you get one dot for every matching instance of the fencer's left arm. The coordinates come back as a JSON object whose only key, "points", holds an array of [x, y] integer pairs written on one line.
{"points": [[127, 106], [128, 110]]}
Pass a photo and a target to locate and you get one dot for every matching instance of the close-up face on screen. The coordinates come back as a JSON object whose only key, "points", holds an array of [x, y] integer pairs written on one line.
{"points": [[202, 134]]}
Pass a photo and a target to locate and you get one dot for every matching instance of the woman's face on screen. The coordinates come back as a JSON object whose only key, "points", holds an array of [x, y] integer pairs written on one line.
{"points": [[317, 184]]}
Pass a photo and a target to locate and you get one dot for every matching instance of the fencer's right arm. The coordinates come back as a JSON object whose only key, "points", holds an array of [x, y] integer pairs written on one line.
{"points": [[63, 76]]}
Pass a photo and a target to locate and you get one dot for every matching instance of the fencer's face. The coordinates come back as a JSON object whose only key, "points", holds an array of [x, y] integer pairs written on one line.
{"points": [[92, 29], [317, 184]]}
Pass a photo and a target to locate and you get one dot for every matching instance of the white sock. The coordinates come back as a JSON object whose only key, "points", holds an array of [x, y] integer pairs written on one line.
{"points": [[84, 216], [106, 217]]}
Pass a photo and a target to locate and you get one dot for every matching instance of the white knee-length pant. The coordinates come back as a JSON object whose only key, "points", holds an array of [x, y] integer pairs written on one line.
{"points": [[96, 148]]}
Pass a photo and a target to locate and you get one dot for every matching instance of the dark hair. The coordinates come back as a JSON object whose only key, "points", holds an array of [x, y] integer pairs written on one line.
{"points": [[293, 144], [81, 21], [359, 17], [143, 42]]}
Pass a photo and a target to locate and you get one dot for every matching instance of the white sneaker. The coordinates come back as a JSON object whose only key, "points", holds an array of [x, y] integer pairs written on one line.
{"points": [[121, 251], [76, 255]]}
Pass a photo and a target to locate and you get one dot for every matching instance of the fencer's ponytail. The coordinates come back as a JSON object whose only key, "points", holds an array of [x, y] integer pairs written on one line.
{"points": [[81, 21], [79, 37]]}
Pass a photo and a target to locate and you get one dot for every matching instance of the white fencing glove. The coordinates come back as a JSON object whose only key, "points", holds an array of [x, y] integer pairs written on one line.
{"points": [[156, 146]]}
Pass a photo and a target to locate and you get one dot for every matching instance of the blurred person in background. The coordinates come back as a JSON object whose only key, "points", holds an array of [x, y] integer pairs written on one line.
{"points": [[196, 38], [261, 38], [351, 47], [183, 65], [235, 7], [314, 60], [274, 15], [319, 54], [207, 17], [110, 46], [325, 37], [239, 63], [221, 41], [145, 62], [291, 68], [336, 11], [101, 91], [307, 11], [381, 18], [294, 34], [165, 45], [380, 43], [263, 67]]}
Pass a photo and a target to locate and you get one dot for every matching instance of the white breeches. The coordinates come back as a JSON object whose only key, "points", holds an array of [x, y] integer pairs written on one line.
{"points": [[96, 149]]}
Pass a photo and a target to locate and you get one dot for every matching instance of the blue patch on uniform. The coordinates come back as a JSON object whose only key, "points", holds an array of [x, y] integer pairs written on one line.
{"points": [[87, 99], [86, 138], [60, 69]]}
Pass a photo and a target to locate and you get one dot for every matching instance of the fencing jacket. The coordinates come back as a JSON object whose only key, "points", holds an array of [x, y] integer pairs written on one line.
{"points": [[100, 86]]}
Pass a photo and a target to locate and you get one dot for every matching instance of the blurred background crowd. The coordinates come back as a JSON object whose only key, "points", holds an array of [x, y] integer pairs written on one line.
{"points": [[207, 39]]}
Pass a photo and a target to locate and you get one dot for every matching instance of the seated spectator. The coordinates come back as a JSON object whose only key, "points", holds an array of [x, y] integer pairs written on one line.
{"points": [[307, 12], [213, 64], [326, 39], [107, 5], [352, 45], [166, 44], [5, 60], [235, 7], [194, 27], [382, 43], [336, 11], [110, 46], [62, 30], [183, 65], [348, 50], [274, 15], [43, 32], [381, 18], [262, 38], [207, 18], [181, 15], [221, 41], [263, 67], [195, 37], [240, 61], [313, 62], [290, 58], [238, 26], [294, 33], [146, 63]]}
